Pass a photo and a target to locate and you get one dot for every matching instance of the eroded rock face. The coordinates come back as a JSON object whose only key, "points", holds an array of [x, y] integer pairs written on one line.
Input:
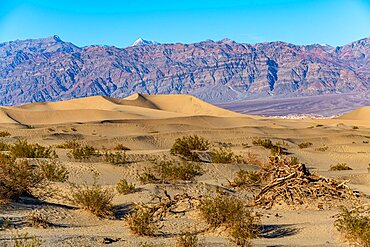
{"points": [[50, 69]]}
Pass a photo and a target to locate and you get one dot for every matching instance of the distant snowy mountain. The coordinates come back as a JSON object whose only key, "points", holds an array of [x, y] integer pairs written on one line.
{"points": [[141, 41]]}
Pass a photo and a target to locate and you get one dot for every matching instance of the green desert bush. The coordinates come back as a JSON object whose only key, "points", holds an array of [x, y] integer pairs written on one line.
{"points": [[246, 179], [93, 198], [340, 167], [71, 144], [148, 177], [53, 171], [187, 239], [18, 178], [23, 149], [141, 222], [4, 133], [4, 146], [266, 143], [186, 145], [177, 170], [354, 225], [233, 213], [305, 145], [83, 153], [116, 158], [224, 156], [123, 187]]}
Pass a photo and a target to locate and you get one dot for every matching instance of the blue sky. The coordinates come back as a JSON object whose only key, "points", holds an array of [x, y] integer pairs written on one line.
{"points": [[119, 23]]}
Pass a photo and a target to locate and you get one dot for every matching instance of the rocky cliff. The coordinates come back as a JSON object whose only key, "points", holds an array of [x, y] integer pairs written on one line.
{"points": [[50, 69]]}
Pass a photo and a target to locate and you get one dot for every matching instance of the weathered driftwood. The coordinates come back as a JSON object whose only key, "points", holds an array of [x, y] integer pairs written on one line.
{"points": [[293, 184]]}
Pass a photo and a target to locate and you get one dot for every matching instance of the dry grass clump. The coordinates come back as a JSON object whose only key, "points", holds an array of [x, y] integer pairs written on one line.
{"points": [[168, 170], [186, 146], [83, 153], [53, 171], [4, 133], [38, 219], [305, 145], [23, 149], [251, 158], [123, 187], [148, 177], [71, 144], [340, 167], [187, 239], [93, 198], [22, 240], [121, 147], [224, 156], [355, 225], [18, 178], [116, 158], [142, 222], [233, 213], [322, 148], [293, 184]]}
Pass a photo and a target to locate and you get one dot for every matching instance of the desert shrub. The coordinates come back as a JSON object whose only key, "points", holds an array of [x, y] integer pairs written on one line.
{"points": [[141, 222], [305, 145], [53, 171], [175, 170], [148, 177], [224, 156], [83, 153], [354, 225], [251, 158], [340, 167], [246, 179], [368, 167], [4, 146], [186, 145], [37, 219], [266, 143], [187, 239], [121, 147], [18, 178], [123, 187], [232, 213], [355, 127], [93, 198], [322, 148], [117, 158], [23, 149], [294, 161], [73, 129], [71, 144], [4, 133], [22, 240]]}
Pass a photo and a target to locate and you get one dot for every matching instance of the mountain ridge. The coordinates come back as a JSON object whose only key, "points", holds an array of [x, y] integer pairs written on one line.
{"points": [[51, 69]]}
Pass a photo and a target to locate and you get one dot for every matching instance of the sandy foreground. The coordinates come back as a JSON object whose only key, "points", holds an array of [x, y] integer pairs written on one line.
{"points": [[149, 125]]}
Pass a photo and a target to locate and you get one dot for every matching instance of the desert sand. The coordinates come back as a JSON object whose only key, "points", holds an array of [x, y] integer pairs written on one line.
{"points": [[149, 125]]}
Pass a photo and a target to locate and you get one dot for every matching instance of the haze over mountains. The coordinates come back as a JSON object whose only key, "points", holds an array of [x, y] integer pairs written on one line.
{"points": [[51, 69]]}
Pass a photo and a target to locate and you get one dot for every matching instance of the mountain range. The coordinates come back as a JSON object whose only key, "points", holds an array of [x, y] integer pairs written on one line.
{"points": [[50, 69]]}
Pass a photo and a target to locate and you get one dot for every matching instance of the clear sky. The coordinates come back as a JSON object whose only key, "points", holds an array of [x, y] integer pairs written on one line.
{"points": [[119, 23]]}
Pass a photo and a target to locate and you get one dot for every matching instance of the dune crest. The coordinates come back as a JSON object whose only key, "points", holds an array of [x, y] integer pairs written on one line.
{"points": [[101, 108], [362, 114]]}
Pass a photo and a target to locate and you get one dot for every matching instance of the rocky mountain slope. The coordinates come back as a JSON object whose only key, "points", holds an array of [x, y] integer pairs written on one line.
{"points": [[50, 69]]}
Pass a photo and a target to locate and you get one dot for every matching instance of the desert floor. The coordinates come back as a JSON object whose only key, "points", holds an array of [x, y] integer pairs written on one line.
{"points": [[148, 138]]}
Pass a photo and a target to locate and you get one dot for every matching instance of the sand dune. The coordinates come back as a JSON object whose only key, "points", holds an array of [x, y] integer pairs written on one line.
{"points": [[100, 108], [362, 114]]}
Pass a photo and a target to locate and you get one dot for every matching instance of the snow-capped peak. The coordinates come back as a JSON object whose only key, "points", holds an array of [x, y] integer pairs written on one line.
{"points": [[141, 41]]}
